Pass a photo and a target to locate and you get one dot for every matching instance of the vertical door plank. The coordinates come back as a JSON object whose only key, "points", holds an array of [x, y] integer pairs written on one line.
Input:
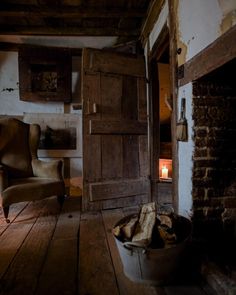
{"points": [[111, 93], [143, 156], [142, 99], [129, 98], [96, 273], [130, 156], [91, 144], [111, 157], [130, 142]]}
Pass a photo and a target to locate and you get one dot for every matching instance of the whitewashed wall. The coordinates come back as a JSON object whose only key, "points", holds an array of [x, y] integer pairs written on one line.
{"points": [[199, 23], [185, 151], [10, 104]]}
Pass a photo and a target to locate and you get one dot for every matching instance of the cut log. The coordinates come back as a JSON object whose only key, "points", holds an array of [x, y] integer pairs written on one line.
{"points": [[143, 233]]}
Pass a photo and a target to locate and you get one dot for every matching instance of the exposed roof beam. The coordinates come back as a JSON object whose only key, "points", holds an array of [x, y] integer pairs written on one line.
{"points": [[152, 15], [70, 12], [67, 31], [7, 46]]}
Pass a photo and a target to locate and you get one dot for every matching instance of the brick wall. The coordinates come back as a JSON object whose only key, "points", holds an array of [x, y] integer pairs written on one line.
{"points": [[214, 163]]}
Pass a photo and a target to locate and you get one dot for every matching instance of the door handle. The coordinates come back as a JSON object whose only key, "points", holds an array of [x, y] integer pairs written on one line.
{"points": [[91, 109]]}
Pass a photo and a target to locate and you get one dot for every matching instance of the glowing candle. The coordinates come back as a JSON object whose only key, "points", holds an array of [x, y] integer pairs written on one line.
{"points": [[164, 172]]}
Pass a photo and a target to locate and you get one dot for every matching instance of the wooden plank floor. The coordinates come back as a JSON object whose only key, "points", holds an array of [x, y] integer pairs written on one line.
{"points": [[45, 250]]}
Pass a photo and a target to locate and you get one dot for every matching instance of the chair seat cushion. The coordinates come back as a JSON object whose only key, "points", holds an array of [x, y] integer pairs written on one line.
{"points": [[31, 188]]}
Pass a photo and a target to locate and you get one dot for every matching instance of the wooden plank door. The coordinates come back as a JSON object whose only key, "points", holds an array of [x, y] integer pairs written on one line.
{"points": [[115, 158]]}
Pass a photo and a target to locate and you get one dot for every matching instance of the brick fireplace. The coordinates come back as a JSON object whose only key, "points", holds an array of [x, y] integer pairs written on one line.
{"points": [[214, 163]]}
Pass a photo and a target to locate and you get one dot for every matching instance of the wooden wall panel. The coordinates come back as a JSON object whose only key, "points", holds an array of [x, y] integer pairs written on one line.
{"points": [[111, 93], [129, 98], [91, 89], [142, 99], [112, 157], [130, 156], [117, 127], [117, 189], [143, 156], [107, 62]]}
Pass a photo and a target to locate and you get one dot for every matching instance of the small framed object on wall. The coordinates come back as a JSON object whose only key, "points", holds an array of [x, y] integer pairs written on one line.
{"points": [[44, 74]]}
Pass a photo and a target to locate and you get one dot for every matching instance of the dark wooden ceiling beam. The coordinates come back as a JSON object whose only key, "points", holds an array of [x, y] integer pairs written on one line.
{"points": [[67, 31], [70, 12], [7, 46]]}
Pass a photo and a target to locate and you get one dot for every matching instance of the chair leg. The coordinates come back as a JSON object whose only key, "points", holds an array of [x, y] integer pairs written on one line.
{"points": [[60, 200], [6, 211]]}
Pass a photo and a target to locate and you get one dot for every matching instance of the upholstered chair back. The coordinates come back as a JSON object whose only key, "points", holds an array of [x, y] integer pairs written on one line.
{"points": [[15, 150]]}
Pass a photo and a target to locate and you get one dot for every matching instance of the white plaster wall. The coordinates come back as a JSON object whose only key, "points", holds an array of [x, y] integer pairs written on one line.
{"points": [[185, 153], [10, 103], [200, 22]]}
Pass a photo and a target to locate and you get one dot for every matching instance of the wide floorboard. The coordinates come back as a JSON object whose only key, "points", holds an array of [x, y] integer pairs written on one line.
{"points": [[49, 250]]}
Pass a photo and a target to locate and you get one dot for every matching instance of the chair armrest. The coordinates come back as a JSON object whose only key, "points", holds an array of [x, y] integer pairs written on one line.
{"points": [[3, 178], [52, 169]]}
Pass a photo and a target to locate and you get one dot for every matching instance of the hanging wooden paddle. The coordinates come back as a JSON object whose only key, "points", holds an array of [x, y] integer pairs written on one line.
{"points": [[182, 126]]}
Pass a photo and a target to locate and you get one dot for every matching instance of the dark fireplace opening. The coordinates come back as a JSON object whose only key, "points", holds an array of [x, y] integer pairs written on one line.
{"points": [[214, 164]]}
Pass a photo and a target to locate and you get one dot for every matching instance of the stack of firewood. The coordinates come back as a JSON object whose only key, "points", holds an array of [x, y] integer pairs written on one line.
{"points": [[148, 228]]}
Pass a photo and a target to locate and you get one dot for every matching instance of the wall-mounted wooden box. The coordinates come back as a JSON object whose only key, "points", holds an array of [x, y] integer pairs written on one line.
{"points": [[44, 74]]}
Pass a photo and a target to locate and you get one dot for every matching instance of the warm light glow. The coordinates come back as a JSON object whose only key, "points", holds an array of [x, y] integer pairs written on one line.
{"points": [[164, 172]]}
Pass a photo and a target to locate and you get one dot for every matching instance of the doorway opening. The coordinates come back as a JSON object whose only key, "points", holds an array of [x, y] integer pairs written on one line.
{"points": [[160, 133]]}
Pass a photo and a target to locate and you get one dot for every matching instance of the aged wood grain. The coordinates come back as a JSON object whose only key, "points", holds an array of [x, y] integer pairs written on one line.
{"points": [[112, 158], [12, 239], [115, 118], [222, 50], [15, 210], [143, 156], [130, 98], [22, 275], [96, 273], [107, 62], [36, 259], [118, 203], [173, 77], [91, 145], [131, 164], [117, 127], [111, 94], [62, 253], [118, 189], [142, 99]]}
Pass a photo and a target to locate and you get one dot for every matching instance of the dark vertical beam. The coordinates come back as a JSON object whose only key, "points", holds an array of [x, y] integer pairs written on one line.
{"points": [[174, 91]]}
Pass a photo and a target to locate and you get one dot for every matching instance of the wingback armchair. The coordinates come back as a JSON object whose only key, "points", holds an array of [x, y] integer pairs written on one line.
{"points": [[24, 177]]}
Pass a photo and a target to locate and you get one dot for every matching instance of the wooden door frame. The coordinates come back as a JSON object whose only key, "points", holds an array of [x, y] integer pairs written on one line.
{"points": [[174, 89], [159, 47]]}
